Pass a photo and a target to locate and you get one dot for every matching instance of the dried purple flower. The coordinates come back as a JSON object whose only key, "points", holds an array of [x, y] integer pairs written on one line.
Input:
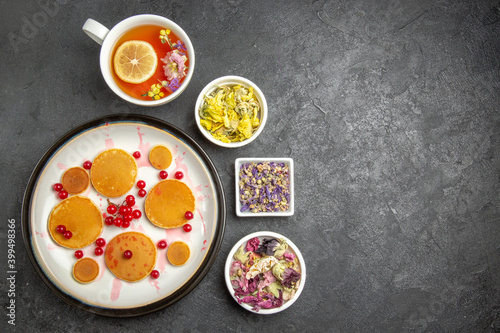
{"points": [[264, 187], [290, 276], [253, 244], [268, 245], [263, 301]]}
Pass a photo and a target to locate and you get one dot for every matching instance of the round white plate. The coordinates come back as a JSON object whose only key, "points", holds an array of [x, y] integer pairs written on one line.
{"points": [[109, 295]]}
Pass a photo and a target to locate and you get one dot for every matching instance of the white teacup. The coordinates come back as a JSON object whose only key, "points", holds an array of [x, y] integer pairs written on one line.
{"points": [[108, 38]]}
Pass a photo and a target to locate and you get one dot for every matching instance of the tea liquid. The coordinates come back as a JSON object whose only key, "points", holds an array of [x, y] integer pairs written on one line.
{"points": [[150, 34]]}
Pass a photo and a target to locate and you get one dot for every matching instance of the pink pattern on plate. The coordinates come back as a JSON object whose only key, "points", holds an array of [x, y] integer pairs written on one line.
{"points": [[177, 234], [204, 230], [174, 150], [135, 227], [109, 143], [62, 166], [161, 263], [202, 222], [101, 262], [42, 234], [181, 166], [155, 284], [144, 148], [116, 289]]}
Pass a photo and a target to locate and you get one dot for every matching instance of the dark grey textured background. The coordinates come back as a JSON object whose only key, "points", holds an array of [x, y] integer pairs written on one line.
{"points": [[390, 110]]}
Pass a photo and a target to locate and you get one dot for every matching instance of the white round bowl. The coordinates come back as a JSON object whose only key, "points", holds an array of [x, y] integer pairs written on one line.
{"points": [[231, 80], [291, 247]]}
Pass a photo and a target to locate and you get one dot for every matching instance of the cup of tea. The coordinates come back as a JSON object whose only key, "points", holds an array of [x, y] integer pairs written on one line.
{"points": [[147, 60]]}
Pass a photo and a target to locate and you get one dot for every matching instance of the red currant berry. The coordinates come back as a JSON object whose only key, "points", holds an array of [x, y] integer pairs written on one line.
{"points": [[179, 175], [112, 209], [189, 215], [98, 251], [57, 187], [163, 174], [142, 193], [125, 224], [124, 210], [128, 218], [100, 242], [162, 244], [68, 234], [63, 194], [155, 274], [130, 199], [87, 165], [136, 154], [141, 184], [61, 229], [136, 214], [78, 254], [187, 227], [109, 220], [127, 254], [118, 222]]}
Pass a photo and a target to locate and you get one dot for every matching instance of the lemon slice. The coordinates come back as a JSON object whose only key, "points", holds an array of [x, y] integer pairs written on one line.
{"points": [[135, 61]]}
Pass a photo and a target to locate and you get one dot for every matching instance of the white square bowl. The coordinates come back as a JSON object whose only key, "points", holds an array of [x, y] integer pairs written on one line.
{"points": [[237, 165]]}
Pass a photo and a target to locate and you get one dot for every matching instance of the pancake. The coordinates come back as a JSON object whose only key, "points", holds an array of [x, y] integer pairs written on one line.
{"points": [[178, 253], [160, 157], [113, 172], [143, 258], [85, 270], [75, 180], [167, 202], [80, 216]]}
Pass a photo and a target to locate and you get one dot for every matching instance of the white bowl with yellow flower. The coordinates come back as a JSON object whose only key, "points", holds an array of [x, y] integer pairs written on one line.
{"points": [[231, 111]]}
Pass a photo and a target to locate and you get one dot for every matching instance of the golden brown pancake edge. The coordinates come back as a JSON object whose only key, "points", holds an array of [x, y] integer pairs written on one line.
{"points": [[167, 202], [75, 180], [144, 254], [68, 213], [81, 270], [113, 172]]}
